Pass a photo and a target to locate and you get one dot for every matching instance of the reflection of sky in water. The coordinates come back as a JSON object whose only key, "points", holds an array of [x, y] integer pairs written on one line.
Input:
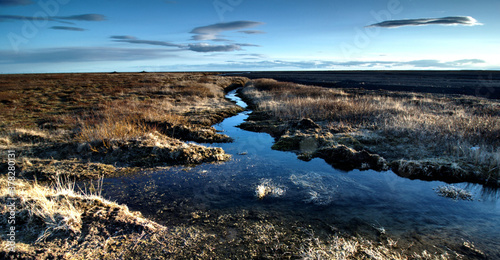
{"points": [[312, 191]]}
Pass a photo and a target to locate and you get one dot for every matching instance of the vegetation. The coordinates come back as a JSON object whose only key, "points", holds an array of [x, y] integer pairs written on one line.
{"points": [[59, 222], [453, 192], [120, 118], [66, 127], [410, 130]]}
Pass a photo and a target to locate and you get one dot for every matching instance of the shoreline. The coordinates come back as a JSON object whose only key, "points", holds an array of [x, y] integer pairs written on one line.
{"points": [[349, 146], [109, 126]]}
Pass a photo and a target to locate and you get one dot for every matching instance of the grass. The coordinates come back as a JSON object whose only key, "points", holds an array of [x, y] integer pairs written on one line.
{"points": [[98, 107], [52, 206], [112, 128], [55, 218], [338, 247], [61, 222], [465, 130], [61, 100], [453, 192]]}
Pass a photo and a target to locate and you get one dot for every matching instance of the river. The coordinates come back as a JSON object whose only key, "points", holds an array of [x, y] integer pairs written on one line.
{"points": [[358, 202]]}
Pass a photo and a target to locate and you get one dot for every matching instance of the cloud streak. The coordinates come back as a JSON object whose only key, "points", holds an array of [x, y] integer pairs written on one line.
{"points": [[321, 64], [134, 40], [451, 20], [196, 47], [82, 54], [67, 28], [205, 47], [211, 32], [252, 32], [15, 2], [82, 17]]}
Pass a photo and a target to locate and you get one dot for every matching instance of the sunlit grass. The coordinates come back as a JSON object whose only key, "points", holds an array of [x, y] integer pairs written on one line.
{"points": [[463, 128]]}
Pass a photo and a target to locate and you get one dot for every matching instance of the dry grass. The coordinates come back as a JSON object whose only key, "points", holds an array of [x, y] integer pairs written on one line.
{"points": [[463, 128], [98, 107], [60, 100], [62, 223], [338, 247], [53, 206], [111, 128]]}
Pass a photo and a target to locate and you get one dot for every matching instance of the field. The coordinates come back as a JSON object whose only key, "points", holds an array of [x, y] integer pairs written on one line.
{"points": [[472, 83], [65, 128], [447, 137]]}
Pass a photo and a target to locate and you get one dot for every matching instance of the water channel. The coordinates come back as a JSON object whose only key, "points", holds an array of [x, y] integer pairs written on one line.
{"points": [[360, 202]]}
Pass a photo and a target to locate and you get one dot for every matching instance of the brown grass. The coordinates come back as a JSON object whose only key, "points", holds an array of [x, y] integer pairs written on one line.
{"points": [[111, 106], [463, 128]]}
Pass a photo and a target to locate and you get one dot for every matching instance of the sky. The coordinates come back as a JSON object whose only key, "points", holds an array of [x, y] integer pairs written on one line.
{"points": [[58, 36]]}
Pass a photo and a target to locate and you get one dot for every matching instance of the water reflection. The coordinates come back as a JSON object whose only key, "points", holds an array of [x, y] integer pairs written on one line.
{"points": [[310, 192]]}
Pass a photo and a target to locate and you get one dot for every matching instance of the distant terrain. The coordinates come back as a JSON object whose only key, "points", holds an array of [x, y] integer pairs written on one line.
{"points": [[476, 83]]}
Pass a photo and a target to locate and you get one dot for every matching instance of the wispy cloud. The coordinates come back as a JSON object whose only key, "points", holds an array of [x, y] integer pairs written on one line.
{"points": [[196, 47], [321, 64], [205, 47], [211, 32], [441, 64], [67, 28], [134, 40], [15, 2], [82, 17], [252, 32], [452, 20], [4, 18], [82, 54]]}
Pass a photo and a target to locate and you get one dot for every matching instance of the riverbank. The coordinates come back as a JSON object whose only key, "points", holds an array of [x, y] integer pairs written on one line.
{"points": [[63, 128], [146, 125], [89, 125], [418, 136]]}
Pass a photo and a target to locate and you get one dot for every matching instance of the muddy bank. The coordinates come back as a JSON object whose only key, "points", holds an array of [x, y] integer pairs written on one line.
{"points": [[309, 140], [345, 152], [349, 146]]}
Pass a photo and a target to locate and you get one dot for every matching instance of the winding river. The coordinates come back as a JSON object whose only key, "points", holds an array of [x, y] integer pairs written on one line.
{"points": [[361, 202]]}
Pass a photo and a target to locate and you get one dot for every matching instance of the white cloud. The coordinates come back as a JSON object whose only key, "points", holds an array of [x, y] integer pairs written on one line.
{"points": [[452, 20], [211, 32]]}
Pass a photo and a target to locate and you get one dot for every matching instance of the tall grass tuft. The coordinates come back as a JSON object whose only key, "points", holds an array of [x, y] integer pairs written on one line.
{"points": [[112, 129]]}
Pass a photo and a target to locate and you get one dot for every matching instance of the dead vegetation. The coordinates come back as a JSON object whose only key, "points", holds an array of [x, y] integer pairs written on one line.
{"points": [[86, 126], [120, 118], [62, 222], [426, 129]]}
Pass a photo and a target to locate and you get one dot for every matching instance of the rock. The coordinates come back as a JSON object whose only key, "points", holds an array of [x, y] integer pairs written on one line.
{"points": [[346, 158]]}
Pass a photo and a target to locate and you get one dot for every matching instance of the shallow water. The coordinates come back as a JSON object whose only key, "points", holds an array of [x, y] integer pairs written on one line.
{"points": [[359, 202]]}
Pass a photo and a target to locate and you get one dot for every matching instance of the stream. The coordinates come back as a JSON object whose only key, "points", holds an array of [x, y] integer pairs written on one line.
{"points": [[312, 193]]}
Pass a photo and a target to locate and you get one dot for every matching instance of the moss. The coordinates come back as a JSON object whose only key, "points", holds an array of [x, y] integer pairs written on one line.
{"points": [[288, 143], [349, 141]]}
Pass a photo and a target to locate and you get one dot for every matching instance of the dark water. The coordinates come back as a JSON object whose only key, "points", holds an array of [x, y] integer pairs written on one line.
{"points": [[311, 192]]}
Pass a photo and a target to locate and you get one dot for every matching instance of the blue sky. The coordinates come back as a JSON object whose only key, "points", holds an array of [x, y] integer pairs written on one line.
{"points": [[223, 35]]}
